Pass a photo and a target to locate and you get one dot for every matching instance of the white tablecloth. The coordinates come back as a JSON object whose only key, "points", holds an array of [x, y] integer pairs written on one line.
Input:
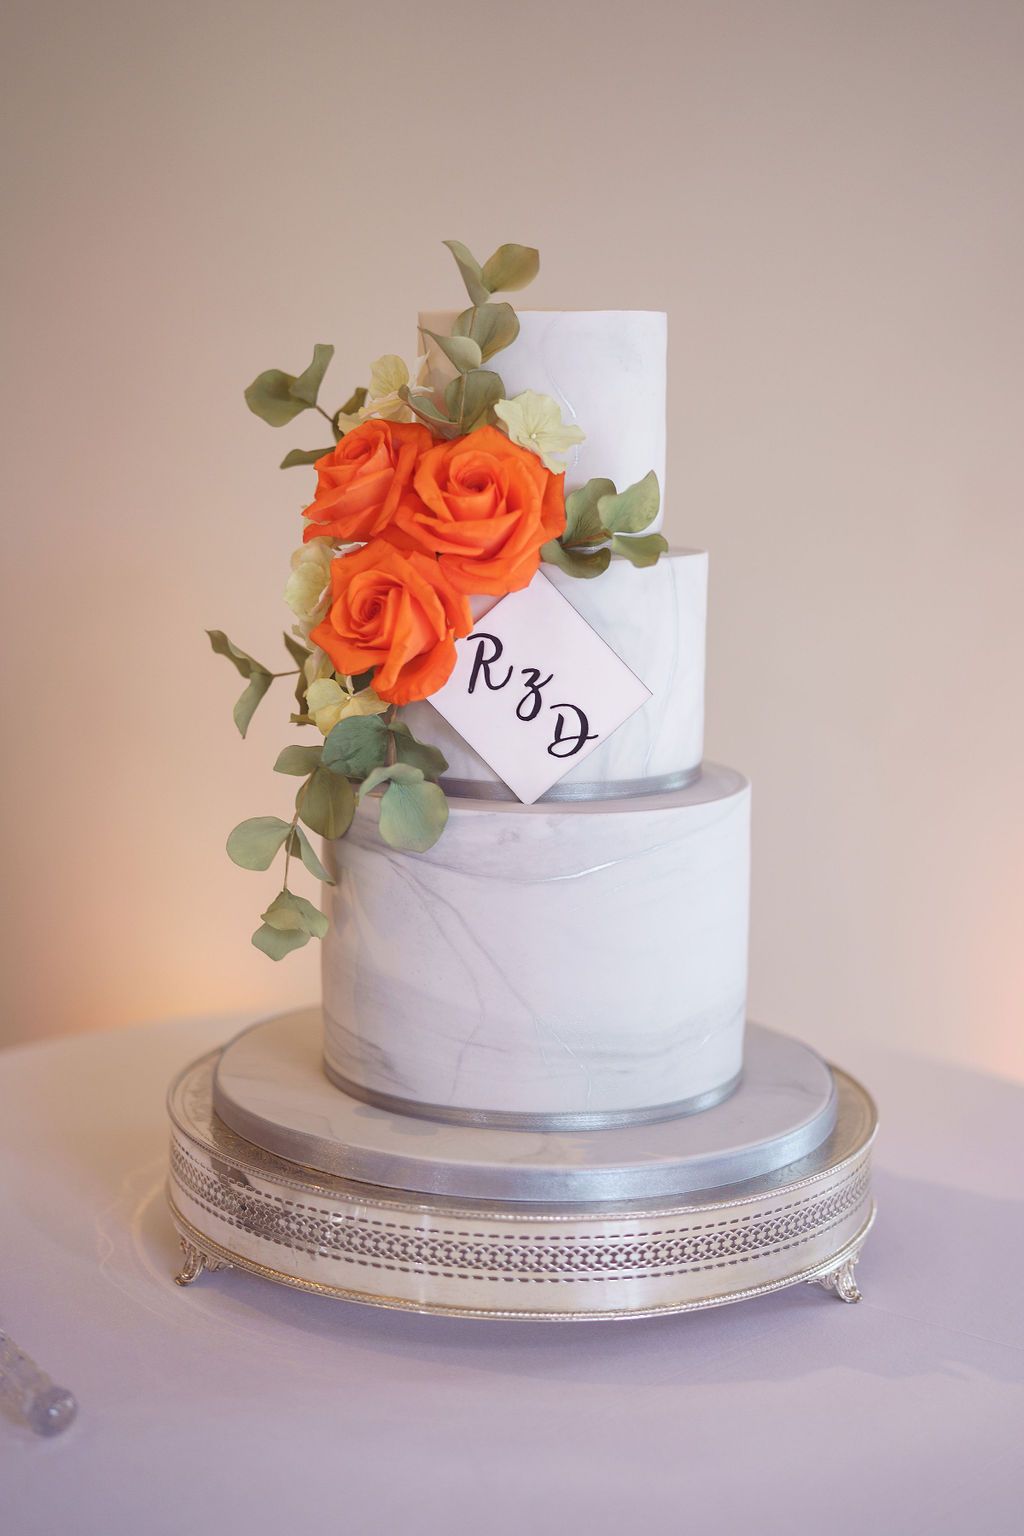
{"points": [[239, 1406]]}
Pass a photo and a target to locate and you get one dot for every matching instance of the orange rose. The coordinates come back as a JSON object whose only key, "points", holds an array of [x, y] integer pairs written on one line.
{"points": [[363, 480], [397, 612], [485, 506]]}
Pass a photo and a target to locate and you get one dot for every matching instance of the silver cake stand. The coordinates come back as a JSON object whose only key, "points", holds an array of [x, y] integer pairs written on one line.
{"points": [[238, 1203]]}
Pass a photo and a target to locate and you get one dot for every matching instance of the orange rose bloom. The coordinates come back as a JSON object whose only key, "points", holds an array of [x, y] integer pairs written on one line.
{"points": [[485, 506], [363, 480], [395, 611]]}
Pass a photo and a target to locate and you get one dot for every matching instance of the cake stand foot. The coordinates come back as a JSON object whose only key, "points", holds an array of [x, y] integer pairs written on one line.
{"points": [[195, 1261], [841, 1280]]}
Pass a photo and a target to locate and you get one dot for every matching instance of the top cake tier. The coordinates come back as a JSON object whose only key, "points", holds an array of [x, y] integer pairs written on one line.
{"points": [[604, 367]]}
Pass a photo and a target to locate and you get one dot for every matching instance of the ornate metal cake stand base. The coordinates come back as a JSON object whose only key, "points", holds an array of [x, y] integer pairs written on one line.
{"points": [[238, 1206]]}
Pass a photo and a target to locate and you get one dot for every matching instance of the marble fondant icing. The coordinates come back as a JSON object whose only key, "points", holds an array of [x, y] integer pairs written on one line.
{"points": [[656, 620], [606, 369], [573, 959]]}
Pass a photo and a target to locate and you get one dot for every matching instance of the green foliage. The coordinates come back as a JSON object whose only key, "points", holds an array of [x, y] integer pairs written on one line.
{"points": [[355, 402], [582, 521], [470, 269], [254, 844], [491, 326], [418, 754], [303, 456], [461, 351], [299, 846], [259, 676], [413, 812], [277, 397], [575, 562], [298, 761], [307, 386], [326, 803], [471, 398], [289, 913], [510, 268], [633, 509], [278, 942], [356, 746], [642, 550], [288, 923]]}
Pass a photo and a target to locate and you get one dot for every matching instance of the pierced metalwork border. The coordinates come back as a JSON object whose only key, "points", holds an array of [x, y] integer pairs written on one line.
{"points": [[550, 1258], [210, 1254]]}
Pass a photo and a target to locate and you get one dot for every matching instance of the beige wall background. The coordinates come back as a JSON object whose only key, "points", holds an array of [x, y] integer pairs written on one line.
{"points": [[827, 198]]}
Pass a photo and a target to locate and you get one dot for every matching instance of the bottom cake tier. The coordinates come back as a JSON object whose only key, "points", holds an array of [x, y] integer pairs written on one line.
{"points": [[576, 965]]}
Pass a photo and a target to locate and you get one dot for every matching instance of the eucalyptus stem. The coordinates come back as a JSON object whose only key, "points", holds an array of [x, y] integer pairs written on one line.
{"points": [[291, 831]]}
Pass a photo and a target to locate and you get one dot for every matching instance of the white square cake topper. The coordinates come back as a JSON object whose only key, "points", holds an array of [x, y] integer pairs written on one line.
{"points": [[535, 689]]}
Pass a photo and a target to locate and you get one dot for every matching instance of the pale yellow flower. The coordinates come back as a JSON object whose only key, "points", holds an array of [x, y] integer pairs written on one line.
{"points": [[308, 588], [317, 664], [328, 702], [388, 375], [535, 422]]}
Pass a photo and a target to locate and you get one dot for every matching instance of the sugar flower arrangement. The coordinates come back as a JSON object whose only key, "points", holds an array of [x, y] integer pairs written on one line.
{"points": [[424, 498]]}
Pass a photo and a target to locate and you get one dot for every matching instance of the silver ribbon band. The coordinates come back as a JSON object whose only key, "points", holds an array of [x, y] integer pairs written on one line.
{"points": [[503, 1119], [610, 789]]}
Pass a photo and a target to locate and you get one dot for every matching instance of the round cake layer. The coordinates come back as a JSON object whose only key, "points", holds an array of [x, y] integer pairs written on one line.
{"points": [[578, 960], [656, 620], [604, 367]]}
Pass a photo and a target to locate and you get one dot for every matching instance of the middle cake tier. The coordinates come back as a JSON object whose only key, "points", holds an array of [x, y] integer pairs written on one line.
{"points": [[655, 619], [569, 965]]}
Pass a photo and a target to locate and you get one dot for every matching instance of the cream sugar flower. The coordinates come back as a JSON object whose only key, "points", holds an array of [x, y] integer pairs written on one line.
{"points": [[328, 702], [309, 584], [535, 422], [388, 375]]}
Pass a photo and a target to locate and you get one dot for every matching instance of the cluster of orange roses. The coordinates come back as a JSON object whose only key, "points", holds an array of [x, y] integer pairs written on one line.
{"points": [[437, 522]]}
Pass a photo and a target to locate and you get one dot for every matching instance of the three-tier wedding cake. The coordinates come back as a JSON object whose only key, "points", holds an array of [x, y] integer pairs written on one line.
{"points": [[583, 958], [529, 1089]]}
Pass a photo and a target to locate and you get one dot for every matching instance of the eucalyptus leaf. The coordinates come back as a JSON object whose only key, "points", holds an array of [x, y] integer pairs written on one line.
{"points": [[245, 707], [307, 386], [511, 267], [289, 913], [472, 397], [401, 773], [301, 846], [491, 326], [642, 549], [270, 397], [470, 270], [327, 803], [239, 659], [419, 754], [424, 407], [413, 814], [303, 456], [355, 402], [298, 652], [576, 562], [461, 351], [582, 521], [276, 942], [356, 745], [633, 509], [254, 844], [298, 761]]}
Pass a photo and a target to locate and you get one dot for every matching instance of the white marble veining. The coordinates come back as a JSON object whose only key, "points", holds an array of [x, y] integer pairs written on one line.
{"points": [[271, 1089], [584, 958], [656, 620], [607, 370]]}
